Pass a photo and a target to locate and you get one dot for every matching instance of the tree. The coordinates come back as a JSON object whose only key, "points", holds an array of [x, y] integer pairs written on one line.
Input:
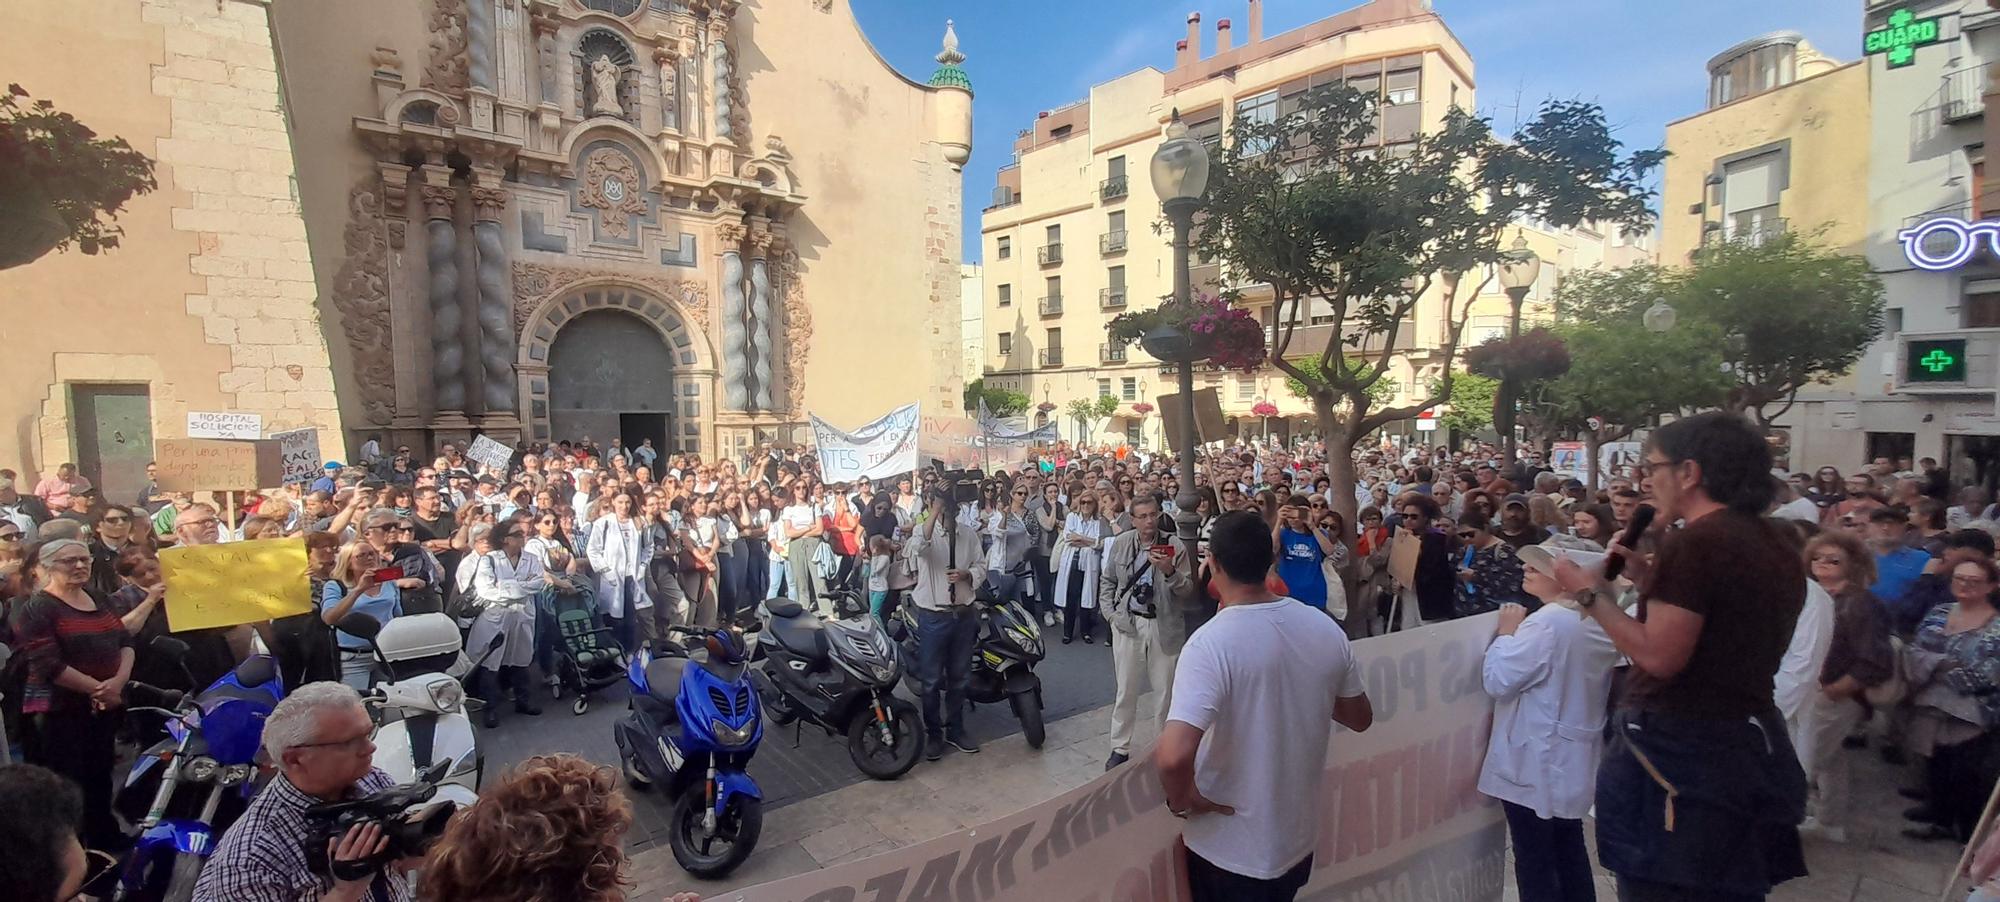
{"points": [[1309, 205], [1312, 368], [1471, 403], [1000, 402], [60, 185], [1087, 411], [1792, 311]]}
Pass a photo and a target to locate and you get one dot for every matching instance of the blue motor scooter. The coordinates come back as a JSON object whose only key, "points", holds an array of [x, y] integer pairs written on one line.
{"points": [[213, 739], [695, 723]]}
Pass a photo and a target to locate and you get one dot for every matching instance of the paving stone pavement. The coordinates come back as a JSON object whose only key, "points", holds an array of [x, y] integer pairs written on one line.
{"points": [[1876, 864]]}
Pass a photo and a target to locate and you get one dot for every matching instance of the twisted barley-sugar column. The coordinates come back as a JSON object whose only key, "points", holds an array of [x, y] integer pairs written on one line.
{"points": [[735, 367], [441, 255], [761, 322], [496, 302]]}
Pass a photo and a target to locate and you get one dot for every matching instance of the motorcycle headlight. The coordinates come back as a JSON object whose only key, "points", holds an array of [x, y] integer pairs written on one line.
{"points": [[447, 695], [732, 738], [236, 774], [1026, 638], [201, 769], [884, 672]]}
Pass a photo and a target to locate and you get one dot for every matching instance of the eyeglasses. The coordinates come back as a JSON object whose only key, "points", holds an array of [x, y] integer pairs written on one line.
{"points": [[73, 561], [208, 522], [1468, 534], [1649, 466], [10, 536], [96, 864], [1969, 580], [352, 744], [1318, 504]]}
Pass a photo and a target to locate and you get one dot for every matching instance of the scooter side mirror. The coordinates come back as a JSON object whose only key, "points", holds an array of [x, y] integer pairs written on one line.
{"points": [[169, 648], [434, 773]]}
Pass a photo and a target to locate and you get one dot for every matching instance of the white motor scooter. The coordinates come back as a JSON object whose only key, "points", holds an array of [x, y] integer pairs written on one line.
{"points": [[421, 703]]}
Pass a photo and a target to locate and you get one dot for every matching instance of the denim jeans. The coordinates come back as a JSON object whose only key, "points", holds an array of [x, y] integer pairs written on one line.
{"points": [[944, 664], [1550, 861], [774, 578]]}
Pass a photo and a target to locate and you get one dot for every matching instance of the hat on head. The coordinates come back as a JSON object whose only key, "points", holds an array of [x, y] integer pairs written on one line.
{"points": [[1516, 498], [332, 465]]}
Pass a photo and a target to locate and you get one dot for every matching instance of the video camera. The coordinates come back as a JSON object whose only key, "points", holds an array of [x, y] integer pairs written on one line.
{"points": [[963, 484], [409, 835]]}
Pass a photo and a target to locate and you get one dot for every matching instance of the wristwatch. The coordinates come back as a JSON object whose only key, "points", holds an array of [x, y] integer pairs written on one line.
{"points": [[1589, 597]]}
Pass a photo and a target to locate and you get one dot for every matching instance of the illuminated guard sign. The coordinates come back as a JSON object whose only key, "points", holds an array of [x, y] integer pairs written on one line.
{"points": [[1934, 361], [1900, 37]]}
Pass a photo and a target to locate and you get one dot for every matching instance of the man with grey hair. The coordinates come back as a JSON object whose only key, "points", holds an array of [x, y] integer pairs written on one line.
{"points": [[322, 741]]}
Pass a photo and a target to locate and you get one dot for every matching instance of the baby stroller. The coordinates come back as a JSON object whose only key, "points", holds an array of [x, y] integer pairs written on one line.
{"points": [[586, 653]]}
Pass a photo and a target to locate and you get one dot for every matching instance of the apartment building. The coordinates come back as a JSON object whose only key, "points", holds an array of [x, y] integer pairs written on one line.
{"points": [[1073, 235]]}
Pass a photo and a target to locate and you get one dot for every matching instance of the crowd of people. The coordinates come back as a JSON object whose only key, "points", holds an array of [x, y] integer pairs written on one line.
{"points": [[1763, 626]]}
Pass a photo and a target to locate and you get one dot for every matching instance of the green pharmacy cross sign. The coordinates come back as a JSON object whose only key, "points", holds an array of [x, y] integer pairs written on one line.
{"points": [[1935, 361], [1901, 36]]}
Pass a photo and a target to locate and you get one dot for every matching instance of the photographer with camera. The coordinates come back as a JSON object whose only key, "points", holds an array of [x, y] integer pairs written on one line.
{"points": [[948, 570], [321, 739]]}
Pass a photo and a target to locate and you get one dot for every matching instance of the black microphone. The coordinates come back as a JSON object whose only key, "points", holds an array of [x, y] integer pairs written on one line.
{"points": [[1642, 518]]}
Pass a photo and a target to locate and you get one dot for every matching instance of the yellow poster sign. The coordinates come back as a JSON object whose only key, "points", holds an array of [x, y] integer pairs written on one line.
{"points": [[236, 582]]}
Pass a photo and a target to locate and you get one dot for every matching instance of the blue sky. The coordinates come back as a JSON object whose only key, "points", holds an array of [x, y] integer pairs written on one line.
{"points": [[1641, 59]]}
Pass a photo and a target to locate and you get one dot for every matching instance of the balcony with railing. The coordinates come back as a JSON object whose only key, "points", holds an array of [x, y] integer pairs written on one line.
{"points": [[1964, 94], [1112, 298], [1110, 353], [1050, 357], [1049, 254], [1113, 188], [1050, 305], [1754, 234], [1111, 243]]}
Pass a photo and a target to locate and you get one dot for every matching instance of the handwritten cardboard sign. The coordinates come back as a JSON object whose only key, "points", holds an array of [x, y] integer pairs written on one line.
{"points": [[197, 464], [225, 424], [300, 449], [489, 452], [237, 582]]}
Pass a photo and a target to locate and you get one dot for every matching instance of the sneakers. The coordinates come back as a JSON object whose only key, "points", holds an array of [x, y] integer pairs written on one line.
{"points": [[1049, 620], [1116, 759], [961, 740], [934, 748]]}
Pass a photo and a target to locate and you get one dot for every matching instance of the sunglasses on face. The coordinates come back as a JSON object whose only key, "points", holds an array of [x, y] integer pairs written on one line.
{"points": [[1828, 559]]}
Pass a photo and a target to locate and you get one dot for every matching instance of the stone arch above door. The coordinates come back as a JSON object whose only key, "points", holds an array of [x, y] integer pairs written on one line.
{"points": [[669, 307]]}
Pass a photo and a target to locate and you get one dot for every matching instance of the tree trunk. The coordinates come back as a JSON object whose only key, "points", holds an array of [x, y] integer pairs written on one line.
{"points": [[1340, 439], [1503, 418]]}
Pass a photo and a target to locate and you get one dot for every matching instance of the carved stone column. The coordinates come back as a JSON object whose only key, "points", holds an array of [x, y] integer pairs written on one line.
{"points": [[722, 69], [667, 56], [544, 23], [480, 45], [498, 388], [441, 256], [762, 387], [735, 364]]}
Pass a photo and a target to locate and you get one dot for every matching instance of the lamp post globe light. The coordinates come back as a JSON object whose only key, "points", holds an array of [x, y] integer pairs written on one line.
{"points": [[1180, 178], [1519, 268], [1660, 317]]}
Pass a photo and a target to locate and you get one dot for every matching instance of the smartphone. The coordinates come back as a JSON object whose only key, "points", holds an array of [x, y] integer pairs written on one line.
{"points": [[388, 574], [1165, 549]]}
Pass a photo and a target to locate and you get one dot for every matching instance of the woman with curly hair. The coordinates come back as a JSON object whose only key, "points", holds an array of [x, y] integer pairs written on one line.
{"points": [[553, 829]]}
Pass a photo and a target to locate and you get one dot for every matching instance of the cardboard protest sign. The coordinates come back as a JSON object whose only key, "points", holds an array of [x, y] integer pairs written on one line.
{"points": [[300, 450], [1403, 551], [1399, 815], [881, 449], [489, 452], [1208, 422], [235, 582], [225, 424], [195, 464]]}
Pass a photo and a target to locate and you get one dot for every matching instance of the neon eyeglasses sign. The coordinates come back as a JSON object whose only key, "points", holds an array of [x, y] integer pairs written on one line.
{"points": [[1935, 255]]}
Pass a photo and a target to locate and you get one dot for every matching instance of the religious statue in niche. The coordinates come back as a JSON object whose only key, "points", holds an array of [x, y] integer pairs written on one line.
{"points": [[611, 184], [604, 84]]}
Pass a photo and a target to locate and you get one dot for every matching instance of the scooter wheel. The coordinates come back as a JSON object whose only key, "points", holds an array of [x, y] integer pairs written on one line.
{"points": [[886, 758], [579, 706], [1029, 710], [735, 836]]}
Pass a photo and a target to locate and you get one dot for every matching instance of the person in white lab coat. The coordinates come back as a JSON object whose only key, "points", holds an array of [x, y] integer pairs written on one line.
{"points": [[619, 550], [1549, 673], [507, 581]]}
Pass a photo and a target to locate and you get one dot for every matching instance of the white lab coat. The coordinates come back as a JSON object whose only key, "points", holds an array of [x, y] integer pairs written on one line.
{"points": [[508, 591], [619, 561], [1796, 684], [1088, 558], [1551, 683]]}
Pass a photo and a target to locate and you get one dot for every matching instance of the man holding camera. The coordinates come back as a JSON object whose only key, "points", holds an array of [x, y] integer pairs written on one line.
{"points": [[321, 738], [1147, 586], [948, 569]]}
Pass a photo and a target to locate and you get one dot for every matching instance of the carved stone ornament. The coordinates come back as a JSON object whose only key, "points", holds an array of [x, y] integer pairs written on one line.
{"points": [[730, 234], [488, 203], [361, 295], [611, 183], [798, 330], [445, 67], [438, 201], [536, 283]]}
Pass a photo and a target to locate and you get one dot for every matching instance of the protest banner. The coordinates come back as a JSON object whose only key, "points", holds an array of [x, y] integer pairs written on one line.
{"points": [[1399, 813], [299, 449], [882, 449], [953, 442], [225, 424], [490, 453], [236, 582], [1571, 460], [197, 464], [1208, 423]]}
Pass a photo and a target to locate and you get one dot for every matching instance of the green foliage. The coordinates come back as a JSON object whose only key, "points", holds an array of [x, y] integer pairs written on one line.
{"points": [[1471, 399], [1000, 401], [61, 185], [1306, 206], [1313, 371], [1087, 411]]}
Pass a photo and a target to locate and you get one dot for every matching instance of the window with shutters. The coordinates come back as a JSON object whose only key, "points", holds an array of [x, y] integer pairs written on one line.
{"points": [[1003, 247], [1750, 189], [1006, 295], [1006, 343], [1104, 388], [1128, 388]]}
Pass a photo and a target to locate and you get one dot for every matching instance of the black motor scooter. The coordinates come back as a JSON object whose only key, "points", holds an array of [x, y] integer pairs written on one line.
{"points": [[839, 675], [1003, 660]]}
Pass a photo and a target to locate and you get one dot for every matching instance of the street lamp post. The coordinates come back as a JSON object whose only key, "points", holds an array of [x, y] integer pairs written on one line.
{"points": [[1519, 267], [1180, 177]]}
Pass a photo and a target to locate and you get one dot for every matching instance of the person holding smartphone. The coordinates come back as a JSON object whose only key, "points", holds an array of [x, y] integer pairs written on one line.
{"points": [[360, 584], [1146, 585]]}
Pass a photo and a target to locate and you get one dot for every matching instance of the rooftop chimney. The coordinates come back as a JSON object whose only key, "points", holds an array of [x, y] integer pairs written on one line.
{"points": [[1180, 53], [1222, 40], [1256, 22], [1194, 36]]}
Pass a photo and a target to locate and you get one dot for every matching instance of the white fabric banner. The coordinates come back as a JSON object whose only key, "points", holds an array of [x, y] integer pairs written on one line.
{"points": [[883, 449], [1399, 813]]}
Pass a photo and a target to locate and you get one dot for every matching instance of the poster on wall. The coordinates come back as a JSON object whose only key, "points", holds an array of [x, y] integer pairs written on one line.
{"points": [[1398, 812]]}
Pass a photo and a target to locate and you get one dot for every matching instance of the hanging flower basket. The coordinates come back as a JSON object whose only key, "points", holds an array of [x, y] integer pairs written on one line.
{"points": [[1142, 408], [1264, 409], [1537, 354], [1205, 328]]}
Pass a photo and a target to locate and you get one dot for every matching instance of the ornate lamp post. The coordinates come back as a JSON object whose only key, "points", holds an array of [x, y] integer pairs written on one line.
{"points": [[1519, 267], [1660, 317], [1180, 177]]}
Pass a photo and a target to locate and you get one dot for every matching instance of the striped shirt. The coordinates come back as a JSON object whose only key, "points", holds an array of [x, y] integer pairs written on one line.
{"points": [[52, 636], [263, 857]]}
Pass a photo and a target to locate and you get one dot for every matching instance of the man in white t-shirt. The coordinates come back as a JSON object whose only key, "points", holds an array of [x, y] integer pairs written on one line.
{"points": [[1256, 693]]}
